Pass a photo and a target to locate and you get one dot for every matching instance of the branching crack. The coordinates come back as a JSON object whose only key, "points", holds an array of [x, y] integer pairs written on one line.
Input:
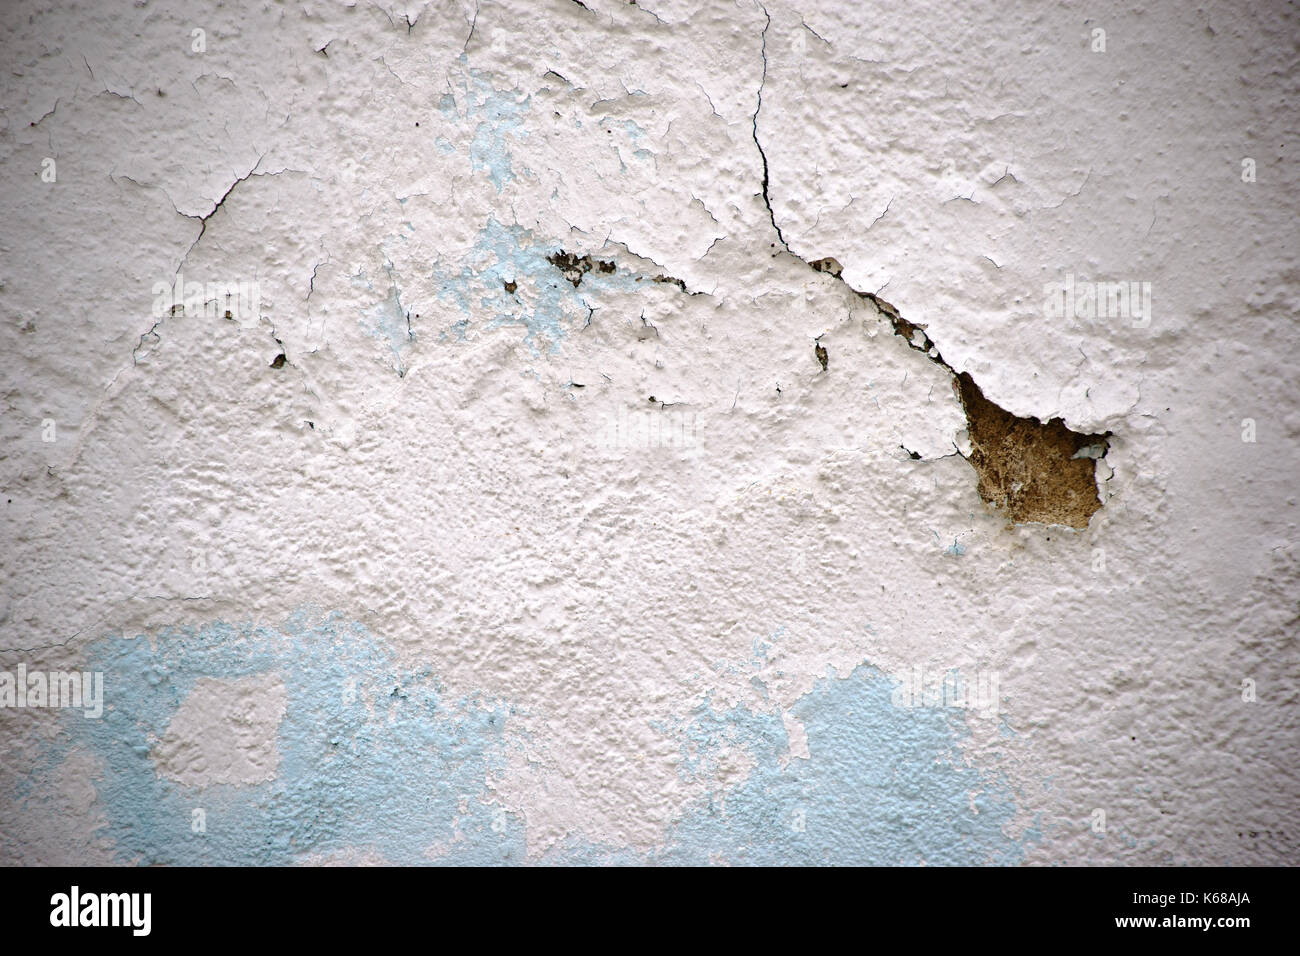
{"points": [[203, 220]]}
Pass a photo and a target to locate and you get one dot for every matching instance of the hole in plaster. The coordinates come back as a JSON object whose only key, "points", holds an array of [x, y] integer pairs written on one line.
{"points": [[828, 264], [575, 267], [671, 280], [278, 361], [1030, 470]]}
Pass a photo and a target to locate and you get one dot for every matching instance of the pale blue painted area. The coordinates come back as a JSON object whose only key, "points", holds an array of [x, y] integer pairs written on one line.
{"points": [[499, 114], [545, 304], [388, 323], [458, 329], [382, 769], [376, 758], [956, 549], [634, 134], [884, 785]]}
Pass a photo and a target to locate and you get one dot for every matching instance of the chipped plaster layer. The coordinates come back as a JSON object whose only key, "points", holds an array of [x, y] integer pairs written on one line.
{"points": [[475, 432]]}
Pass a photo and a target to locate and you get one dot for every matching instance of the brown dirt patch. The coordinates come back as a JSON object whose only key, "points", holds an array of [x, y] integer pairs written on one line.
{"points": [[1027, 469]]}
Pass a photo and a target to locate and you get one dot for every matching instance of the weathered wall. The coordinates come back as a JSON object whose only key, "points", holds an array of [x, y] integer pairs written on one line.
{"points": [[543, 495]]}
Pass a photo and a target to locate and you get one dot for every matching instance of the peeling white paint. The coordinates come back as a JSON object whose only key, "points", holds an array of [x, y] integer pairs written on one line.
{"points": [[632, 565]]}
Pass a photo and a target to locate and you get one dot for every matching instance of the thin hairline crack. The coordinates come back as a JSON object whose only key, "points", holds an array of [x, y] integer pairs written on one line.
{"points": [[767, 200]]}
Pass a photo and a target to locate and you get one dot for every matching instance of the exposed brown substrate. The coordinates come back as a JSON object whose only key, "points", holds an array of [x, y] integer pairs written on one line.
{"points": [[575, 267], [1026, 468]]}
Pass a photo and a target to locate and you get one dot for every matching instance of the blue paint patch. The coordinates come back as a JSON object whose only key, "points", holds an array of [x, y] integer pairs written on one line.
{"points": [[374, 758], [388, 323], [630, 129], [544, 303], [377, 758], [500, 114], [884, 786], [458, 329], [634, 134]]}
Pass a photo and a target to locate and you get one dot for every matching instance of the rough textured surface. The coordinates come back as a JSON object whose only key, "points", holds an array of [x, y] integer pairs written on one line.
{"points": [[476, 432]]}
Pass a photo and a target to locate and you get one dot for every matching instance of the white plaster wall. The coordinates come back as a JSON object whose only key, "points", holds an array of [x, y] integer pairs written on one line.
{"points": [[618, 572]]}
